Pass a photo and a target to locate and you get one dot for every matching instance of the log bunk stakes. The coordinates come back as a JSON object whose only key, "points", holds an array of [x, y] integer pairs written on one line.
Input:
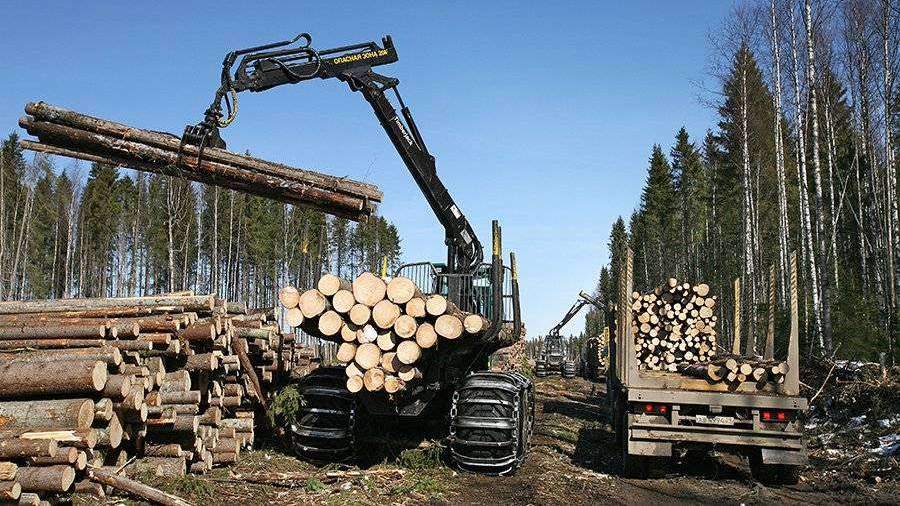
{"points": [[88, 385]]}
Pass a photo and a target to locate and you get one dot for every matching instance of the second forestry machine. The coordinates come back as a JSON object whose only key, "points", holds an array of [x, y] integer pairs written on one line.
{"points": [[554, 357], [490, 413]]}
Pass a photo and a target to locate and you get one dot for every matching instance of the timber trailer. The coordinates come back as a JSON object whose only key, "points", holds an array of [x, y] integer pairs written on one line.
{"points": [[657, 412], [490, 413]]}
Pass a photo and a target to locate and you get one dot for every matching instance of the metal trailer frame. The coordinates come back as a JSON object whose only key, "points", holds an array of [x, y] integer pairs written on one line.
{"points": [[702, 414]]}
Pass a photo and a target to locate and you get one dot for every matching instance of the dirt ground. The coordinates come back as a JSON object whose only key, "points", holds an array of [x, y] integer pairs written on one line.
{"points": [[573, 460]]}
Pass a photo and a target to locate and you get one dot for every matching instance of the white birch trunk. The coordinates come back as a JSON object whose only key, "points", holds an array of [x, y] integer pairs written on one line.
{"points": [[805, 220], [825, 336]]}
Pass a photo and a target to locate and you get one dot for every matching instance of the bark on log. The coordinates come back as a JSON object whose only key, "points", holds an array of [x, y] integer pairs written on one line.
{"points": [[15, 448], [138, 489], [26, 331], [46, 112], [43, 414], [10, 491], [190, 303], [25, 379], [153, 159], [46, 479]]}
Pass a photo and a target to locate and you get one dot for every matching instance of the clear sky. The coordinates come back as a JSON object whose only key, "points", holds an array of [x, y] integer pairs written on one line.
{"points": [[541, 116]]}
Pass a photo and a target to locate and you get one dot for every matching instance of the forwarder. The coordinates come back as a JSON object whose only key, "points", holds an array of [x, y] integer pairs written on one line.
{"points": [[490, 413], [554, 357]]}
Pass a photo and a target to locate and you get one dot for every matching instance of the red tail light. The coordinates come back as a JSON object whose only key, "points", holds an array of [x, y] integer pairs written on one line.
{"points": [[656, 409], [775, 416]]}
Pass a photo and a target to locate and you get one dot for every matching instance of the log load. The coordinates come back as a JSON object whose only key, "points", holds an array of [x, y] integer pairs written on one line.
{"points": [[387, 332], [68, 133], [674, 327], [173, 380], [674, 324]]}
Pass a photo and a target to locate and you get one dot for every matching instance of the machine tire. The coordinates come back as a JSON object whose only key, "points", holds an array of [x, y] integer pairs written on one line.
{"points": [[324, 429], [491, 421]]}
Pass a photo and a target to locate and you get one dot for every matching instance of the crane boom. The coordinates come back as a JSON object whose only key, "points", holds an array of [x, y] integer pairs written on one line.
{"points": [[293, 61]]}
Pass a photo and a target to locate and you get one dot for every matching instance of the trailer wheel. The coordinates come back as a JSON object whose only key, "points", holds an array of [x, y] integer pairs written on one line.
{"points": [[773, 474]]}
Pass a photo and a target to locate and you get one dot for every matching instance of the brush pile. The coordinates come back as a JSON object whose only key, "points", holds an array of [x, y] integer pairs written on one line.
{"points": [[388, 332], [68, 133], [173, 381]]}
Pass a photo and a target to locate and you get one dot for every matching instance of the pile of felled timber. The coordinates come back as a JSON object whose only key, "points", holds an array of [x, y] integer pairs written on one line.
{"points": [[68, 133], [93, 384], [674, 324], [675, 331], [736, 370], [388, 331]]}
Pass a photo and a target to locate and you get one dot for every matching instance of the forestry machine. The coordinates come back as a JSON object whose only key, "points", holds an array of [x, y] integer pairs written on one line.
{"points": [[490, 413], [553, 358]]}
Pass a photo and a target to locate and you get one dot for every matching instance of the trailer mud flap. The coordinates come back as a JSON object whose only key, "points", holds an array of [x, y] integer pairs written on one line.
{"points": [[649, 448], [787, 457]]}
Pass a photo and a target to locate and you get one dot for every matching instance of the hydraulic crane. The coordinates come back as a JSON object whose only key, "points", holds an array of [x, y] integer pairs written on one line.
{"points": [[490, 413], [553, 358]]}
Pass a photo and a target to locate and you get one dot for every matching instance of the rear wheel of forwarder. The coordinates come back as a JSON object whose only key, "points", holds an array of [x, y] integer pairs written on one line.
{"points": [[324, 427], [773, 474], [491, 420]]}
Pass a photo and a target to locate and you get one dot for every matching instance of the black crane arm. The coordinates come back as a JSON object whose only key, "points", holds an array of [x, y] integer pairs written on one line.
{"points": [[583, 300], [576, 307], [292, 61]]}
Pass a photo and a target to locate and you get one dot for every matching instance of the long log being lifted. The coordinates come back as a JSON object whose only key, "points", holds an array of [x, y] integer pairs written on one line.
{"points": [[69, 133]]}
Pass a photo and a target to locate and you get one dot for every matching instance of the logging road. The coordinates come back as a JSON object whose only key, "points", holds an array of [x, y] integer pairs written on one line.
{"points": [[573, 461]]}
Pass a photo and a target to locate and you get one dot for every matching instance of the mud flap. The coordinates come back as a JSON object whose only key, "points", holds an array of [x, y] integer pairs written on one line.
{"points": [[785, 457], [649, 448]]}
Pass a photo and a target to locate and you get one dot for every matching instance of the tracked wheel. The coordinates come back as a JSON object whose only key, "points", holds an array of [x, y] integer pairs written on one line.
{"points": [[568, 369], [324, 430], [491, 421]]}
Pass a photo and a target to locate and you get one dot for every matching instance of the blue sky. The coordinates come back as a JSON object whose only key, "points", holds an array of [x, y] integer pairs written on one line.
{"points": [[540, 115]]}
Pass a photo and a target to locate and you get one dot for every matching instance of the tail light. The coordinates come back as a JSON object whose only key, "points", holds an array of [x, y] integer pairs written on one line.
{"points": [[655, 409], [776, 416]]}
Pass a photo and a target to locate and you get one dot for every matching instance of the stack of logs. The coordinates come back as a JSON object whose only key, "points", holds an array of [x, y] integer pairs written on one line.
{"points": [[736, 370], [674, 324], [68, 133], [387, 331], [173, 381], [675, 331]]}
